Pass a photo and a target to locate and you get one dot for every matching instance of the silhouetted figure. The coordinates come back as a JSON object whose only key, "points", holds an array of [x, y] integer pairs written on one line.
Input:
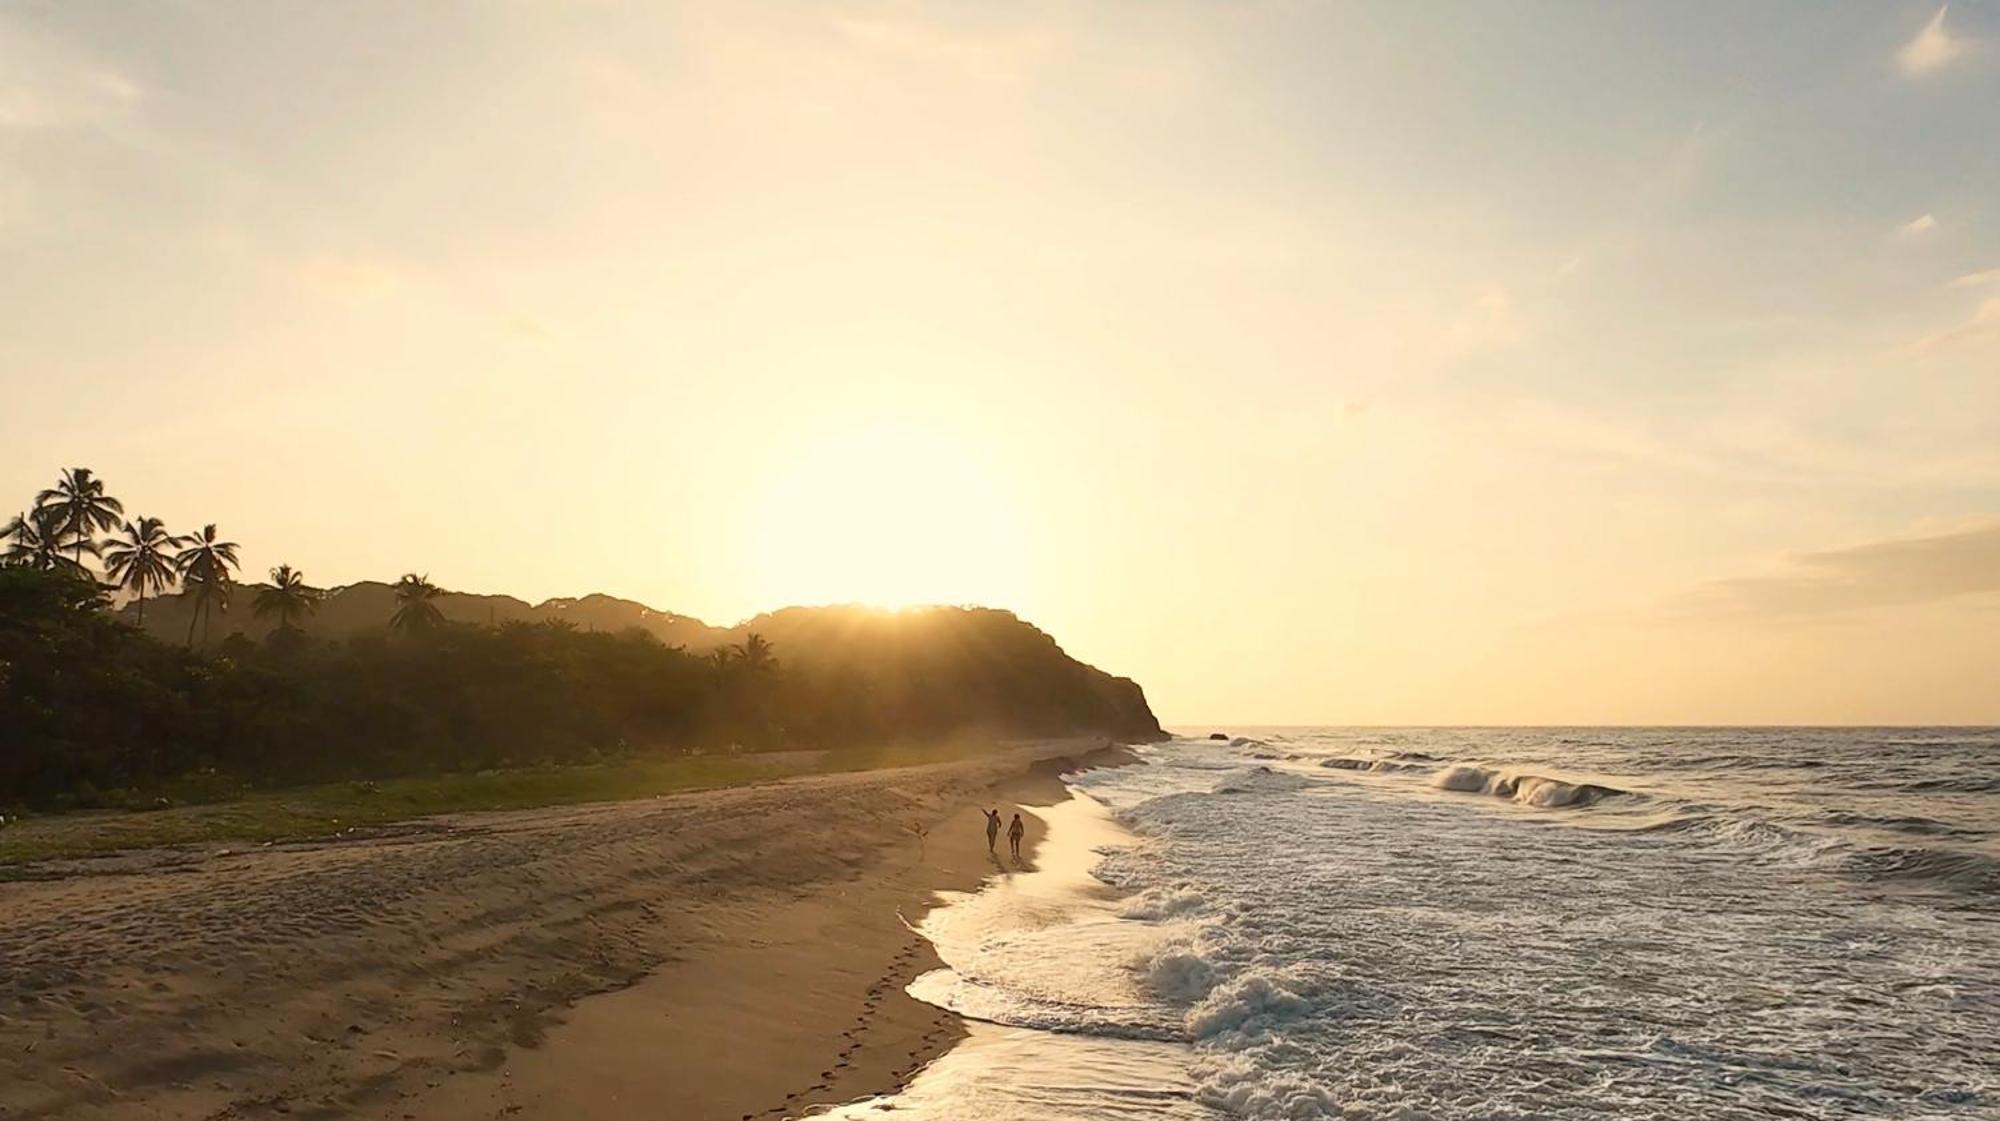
{"points": [[1014, 834], [992, 828]]}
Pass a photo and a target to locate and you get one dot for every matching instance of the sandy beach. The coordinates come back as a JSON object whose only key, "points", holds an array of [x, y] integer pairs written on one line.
{"points": [[729, 954]]}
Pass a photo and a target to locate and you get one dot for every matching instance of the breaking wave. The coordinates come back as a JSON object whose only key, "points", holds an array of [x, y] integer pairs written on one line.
{"points": [[1260, 779], [1527, 789], [1331, 935], [1373, 766]]}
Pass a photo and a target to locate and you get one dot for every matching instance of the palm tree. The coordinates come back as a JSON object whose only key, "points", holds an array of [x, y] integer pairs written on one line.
{"points": [[203, 564], [143, 560], [83, 507], [35, 540], [754, 655], [287, 597], [747, 670], [414, 610]]}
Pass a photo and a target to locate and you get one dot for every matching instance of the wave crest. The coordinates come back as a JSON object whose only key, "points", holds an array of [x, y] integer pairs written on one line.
{"points": [[1539, 791], [1260, 780], [1373, 766], [1250, 1002], [1155, 904]]}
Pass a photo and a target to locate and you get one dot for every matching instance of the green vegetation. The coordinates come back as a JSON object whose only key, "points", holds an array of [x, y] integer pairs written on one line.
{"points": [[215, 815], [288, 597], [98, 714]]}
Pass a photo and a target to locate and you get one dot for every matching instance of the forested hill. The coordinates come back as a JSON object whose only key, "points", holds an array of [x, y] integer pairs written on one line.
{"points": [[1009, 670], [97, 711], [968, 659], [365, 608]]}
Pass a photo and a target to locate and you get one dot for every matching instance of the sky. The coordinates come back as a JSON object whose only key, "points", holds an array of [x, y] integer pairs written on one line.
{"points": [[1309, 363]]}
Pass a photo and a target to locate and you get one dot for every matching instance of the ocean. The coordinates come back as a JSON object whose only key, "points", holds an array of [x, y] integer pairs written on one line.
{"points": [[1454, 923]]}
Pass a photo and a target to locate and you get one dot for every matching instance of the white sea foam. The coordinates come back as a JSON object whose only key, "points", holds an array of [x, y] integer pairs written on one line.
{"points": [[1304, 941], [1158, 903]]}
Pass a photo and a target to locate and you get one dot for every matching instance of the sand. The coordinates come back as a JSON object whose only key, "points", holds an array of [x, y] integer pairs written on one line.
{"points": [[723, 954]]}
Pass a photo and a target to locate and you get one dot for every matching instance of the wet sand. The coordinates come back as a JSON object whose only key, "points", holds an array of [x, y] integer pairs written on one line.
{"points": [[723, 954]]}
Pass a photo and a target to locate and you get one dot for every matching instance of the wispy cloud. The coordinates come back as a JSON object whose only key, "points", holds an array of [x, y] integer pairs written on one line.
{"points": [[352, 279], [47, 85], [1918, 226], [1933, 49], [1983, 326], [1891, 573], [1489, 321], [1978, 279]]}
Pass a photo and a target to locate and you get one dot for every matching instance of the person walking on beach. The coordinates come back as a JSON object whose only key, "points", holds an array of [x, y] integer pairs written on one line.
{"points": [[992, 828], [1014, 833]]}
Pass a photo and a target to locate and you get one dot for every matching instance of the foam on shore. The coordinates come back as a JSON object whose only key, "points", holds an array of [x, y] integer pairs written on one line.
{"points": [[1042, 963]]}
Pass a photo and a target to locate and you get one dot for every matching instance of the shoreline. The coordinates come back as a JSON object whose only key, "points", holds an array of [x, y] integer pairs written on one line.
{"points": [[1021, 955], [721, 954], [792, 1008], [789, 1007]]}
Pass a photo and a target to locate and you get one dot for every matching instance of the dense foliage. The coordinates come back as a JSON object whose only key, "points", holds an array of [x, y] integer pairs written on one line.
{"points": [[94, 710], [90, 705]]}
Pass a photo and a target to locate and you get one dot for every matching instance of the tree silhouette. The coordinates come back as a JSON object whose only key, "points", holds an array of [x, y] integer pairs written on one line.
{"points": [[82, 508], [288, 597], [90, 705], [35, 540], [754, 655], [142, 561], [204, 564], [415, 611]]}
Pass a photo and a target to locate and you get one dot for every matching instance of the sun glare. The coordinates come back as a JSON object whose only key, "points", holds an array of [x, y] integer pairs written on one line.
{"points": [[892, 516]]}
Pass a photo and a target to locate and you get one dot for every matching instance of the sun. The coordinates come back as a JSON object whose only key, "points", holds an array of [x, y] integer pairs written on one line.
{"points": [[892, 516]]}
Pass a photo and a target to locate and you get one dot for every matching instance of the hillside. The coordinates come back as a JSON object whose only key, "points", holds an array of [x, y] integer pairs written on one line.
{"points": [[982, 659], [94, 706], [945, 668], [365, 607]]}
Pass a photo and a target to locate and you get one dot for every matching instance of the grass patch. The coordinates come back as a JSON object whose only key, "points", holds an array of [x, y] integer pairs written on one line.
{"points": [[307, 812]]}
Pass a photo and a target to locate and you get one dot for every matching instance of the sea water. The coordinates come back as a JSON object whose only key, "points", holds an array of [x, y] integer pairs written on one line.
{"points": [[1450, 923]]}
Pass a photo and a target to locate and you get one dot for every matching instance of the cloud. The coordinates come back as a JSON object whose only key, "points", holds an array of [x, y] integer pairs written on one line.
{"points": [[352, 279], [1488, 323], [47, 86], [1932, 50], [1918, 226], [1898, 572], [1984, 324], [1976, 279], [986, 52]]}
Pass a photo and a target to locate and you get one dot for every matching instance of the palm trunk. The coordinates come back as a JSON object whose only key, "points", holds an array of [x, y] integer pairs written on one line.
{"points": [[192, 616], [142, 605]]}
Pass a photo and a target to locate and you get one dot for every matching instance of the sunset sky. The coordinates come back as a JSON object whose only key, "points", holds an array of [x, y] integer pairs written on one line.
{"points": [[1357, 362]]}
